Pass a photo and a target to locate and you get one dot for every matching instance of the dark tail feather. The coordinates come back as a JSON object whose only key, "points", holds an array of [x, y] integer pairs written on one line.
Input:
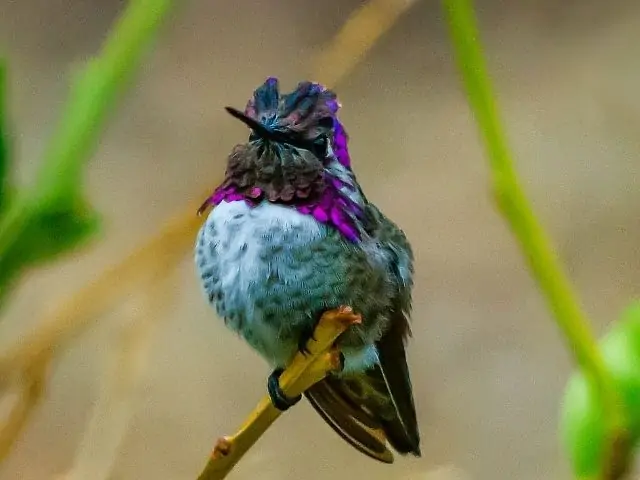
{"points": [[354, 426], [402, 431], [371, 408]]}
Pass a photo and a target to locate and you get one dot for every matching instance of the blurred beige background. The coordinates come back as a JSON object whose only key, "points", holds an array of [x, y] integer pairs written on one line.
{"points": [[488, 363]]}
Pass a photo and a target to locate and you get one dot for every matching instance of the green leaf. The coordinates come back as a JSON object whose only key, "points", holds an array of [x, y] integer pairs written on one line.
{"points": [[582, 421], [56, 229], [92, 99], [625, 354], [630, 323], [582, 427]]}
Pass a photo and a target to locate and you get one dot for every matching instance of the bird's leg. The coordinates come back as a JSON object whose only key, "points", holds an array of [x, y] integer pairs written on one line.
{"points": [[308, 330], [307, 334], [279, 399], [307, 337]]}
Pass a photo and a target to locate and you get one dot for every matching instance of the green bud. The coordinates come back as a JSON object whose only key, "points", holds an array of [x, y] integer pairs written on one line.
{"points": [[582, 422]]}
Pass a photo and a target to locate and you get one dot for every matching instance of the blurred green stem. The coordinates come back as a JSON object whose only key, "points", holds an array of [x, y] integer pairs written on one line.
{"points": [[4, 136], [514, 206], [92, 98], [13, 220]]}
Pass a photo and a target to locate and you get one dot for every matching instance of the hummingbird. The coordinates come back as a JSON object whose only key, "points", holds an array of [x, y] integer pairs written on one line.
{"points": [[292, 235]]}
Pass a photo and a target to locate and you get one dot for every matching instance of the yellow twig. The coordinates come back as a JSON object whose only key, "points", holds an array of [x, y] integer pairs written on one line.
{"points": [[302, 373]]}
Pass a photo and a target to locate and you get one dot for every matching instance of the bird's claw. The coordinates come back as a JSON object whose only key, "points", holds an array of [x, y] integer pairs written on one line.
{"points": [[306, 335], [343, 314]]}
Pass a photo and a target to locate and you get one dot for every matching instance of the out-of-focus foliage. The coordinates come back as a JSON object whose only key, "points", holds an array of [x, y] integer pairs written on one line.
{"points": [[4, 140], [55, 229], [52, 217], [582, 422], [602, 405], [35, 229], [41, 223]]}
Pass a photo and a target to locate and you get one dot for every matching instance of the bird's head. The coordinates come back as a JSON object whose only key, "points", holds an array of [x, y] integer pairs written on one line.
{"points": [[296, 154], [297, 123]]}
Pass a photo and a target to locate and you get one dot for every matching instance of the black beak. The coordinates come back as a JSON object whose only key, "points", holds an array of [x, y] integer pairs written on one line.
{"points": [[258, 128], [262, 130]]}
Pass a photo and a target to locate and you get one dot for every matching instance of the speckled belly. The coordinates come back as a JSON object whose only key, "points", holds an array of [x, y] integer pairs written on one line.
{"points": [[270, 271]]}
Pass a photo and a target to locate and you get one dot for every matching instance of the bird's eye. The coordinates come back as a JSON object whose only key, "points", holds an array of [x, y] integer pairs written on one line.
{"points": [[326, 122]]}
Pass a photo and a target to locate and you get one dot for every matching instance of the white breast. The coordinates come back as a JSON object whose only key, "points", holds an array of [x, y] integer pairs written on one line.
{"points": [[237, 224], [241, 228], [240, 234], [236, 238]]}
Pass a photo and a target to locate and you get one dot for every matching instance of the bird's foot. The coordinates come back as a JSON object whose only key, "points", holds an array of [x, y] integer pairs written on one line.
{"points": [[341, 317], [306, 335], [279, 399], [341, 314]]}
